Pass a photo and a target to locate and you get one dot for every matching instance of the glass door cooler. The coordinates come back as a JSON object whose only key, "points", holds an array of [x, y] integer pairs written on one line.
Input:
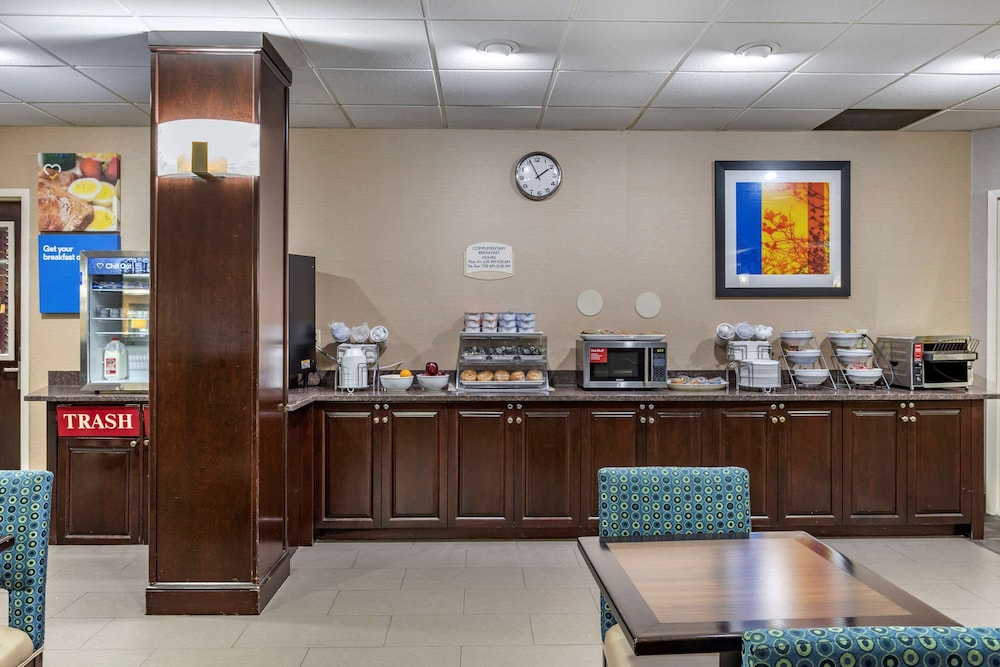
{"points": [[114, 320]]}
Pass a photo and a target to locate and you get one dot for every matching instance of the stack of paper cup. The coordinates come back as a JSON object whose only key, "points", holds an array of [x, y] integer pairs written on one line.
{"points": [[491, 322], [473, 322], [724, 333]]}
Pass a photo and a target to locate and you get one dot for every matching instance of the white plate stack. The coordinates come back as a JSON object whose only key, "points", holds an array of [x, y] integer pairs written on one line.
{"points": [[760, 373]]}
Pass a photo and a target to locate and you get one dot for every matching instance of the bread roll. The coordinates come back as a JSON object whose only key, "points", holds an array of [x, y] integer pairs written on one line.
{"points": [[517, 376], [468, 375], [534, 376], [484, 376], [501, 376]]}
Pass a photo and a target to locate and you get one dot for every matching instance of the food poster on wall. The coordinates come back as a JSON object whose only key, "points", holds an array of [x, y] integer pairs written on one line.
{"points": [[78, 192], [59, 268]]}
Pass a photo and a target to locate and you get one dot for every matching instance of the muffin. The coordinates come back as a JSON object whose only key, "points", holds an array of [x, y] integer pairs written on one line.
{"points": [[534, 376], [484, 376], [468, 375], [517, 376], [501, 376]]}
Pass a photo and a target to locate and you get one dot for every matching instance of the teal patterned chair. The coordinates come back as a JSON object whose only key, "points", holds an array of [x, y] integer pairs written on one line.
{"points": [[26, 497], [667, 500], [873, 646]]}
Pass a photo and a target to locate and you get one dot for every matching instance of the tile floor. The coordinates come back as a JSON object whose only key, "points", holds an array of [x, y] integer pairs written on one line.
{"points": [[401, 604]]}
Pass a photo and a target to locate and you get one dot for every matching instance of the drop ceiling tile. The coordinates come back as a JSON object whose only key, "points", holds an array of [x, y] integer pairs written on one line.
{"points": [[551, 10], [316, 115], [604, 89], [384, 86], [62, 84], [796, 11], [52, 7], [395, 117], [350, 9], [22, 115], [934, 11], [781, 119], [16, 50], [715, 89], [989, 101], [98, 115], [455, 44], [494, 118], [494, 88], [824, 91], [358, 44], [582, 118], [931, 91], [131, 83], [969, 57], [4, 97], [269, 25], [716, 50], [628, 46], [232, 8], [958, 120], [686, 119], [87, 41], [307, 88], [648, 10], [870, 49]]}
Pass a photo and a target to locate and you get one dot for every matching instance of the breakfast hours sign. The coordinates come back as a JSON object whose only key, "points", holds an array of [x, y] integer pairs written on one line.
{"points": [[489, 261]]}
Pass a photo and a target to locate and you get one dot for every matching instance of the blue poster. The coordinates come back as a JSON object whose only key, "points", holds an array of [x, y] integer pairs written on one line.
{"points": [[59, 268]]}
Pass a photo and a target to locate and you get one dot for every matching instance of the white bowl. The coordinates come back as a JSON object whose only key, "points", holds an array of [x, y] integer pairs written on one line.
{"points": [[810, 376], [433, 382], [395, 382], [806, 356], [853, 355], [796, 338], [844, 338], [864, 375]]}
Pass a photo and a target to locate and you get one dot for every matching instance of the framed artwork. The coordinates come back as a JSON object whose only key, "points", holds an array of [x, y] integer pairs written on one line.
{"points": [[782, 229], [78, 192]]}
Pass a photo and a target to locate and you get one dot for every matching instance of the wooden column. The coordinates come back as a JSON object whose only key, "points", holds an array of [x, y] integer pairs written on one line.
{"points": [[217, 539]]}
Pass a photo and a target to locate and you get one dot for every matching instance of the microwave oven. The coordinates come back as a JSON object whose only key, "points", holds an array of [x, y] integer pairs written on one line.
{"points": [[621, 364]]}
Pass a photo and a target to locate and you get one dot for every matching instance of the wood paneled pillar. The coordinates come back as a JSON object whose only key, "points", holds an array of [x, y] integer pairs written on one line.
{"points": [[217, 539]]}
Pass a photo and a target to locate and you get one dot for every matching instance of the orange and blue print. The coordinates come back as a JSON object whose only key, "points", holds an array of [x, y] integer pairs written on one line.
{"points": [[782, 228]]}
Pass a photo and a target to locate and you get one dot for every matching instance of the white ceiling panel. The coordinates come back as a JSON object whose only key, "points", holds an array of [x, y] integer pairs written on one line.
{"points": [[131, 83], [62, 84], [98, 115], [824, 91], [628, 47], [717, 49], [932, 91], [987, 101], [523, 89], [578, 118], [648, 10], [969, 57], [394, 117], [232, 8], [26, 115], [361, 44], [934, 11], [715, 89], [384, 86], [56, 7], [456, 42], [16, 50], [493, 118], [958, 120], [797, 11], [349, 9], [887, 48], [686, 119], [86, 40], [316, 115], [781, 119], [606, 89], [307, 88], [272, 26], [550, 10]]}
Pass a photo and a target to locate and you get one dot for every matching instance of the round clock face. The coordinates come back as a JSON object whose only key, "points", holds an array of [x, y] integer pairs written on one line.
{"points": [[537, 175]]}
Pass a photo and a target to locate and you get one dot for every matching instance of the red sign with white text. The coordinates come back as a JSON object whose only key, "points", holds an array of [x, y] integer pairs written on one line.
{"points": [[598, 355], [96, 421]]}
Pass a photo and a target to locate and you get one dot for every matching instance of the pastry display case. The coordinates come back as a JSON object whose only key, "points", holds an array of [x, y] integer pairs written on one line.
{"points": [[502, 362]]}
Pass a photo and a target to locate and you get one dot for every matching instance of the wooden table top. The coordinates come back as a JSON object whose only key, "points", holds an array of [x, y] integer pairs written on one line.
{"points": [[699, 595]]}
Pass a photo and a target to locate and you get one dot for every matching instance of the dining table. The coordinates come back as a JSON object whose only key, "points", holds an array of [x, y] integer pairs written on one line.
{"points": [[698, 594]]}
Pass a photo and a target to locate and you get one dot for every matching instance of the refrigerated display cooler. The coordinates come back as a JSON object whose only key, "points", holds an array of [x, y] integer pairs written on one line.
{"points": [[114, 320]]}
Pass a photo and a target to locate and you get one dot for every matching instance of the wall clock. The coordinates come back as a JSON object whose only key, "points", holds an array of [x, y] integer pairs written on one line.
{"points": [[537, 175]]}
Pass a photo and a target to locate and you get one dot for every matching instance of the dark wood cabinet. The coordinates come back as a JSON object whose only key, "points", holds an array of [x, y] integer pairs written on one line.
{"points": [[382, 466], [910, 462], [744, 438], [481, 468], [547, 454]]}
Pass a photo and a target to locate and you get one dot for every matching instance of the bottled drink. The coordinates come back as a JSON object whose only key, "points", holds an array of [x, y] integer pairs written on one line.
{"points": [[115, 360]]}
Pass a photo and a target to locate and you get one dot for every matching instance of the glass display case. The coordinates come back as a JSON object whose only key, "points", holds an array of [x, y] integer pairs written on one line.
{"points": [[502, 362], [114, 320]]}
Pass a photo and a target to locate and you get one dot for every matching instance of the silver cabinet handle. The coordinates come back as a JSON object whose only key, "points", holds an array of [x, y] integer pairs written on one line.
{"points": [[650, 421], [518, 406], [378, 407], [133, 443], [913, 419], [519, 420], [642, 406], [13, 369], [781, 419], [510, 406], [375, 420], [902, 405], [510, 420], [642, 420], [910, 405], [774, 420]]}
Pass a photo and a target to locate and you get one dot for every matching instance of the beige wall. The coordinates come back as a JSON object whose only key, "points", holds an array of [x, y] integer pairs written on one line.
{"points": [[388, 214]]}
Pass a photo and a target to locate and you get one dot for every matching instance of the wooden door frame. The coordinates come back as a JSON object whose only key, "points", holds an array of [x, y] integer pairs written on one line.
{"points": [[24, 196]]}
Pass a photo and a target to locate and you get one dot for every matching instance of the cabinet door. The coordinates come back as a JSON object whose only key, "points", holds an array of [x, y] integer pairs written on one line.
{"points": [[676, 436], [481, 461], [100, 491], [347, 469], [874, 464], [938, 465], [610, 433], [548, 478], [413, 467], [743, 438], [809, 465]]}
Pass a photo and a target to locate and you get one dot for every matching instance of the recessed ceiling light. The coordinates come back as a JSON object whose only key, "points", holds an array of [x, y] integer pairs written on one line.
{"points": [[994, 55], [757, 49], [498, 47]]}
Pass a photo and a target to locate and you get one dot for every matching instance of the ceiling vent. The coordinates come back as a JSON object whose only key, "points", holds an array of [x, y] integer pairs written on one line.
{"points": [[875, 119]]}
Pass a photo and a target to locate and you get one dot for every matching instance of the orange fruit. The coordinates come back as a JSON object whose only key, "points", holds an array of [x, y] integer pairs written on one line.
{"points": [[405, 373]]}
